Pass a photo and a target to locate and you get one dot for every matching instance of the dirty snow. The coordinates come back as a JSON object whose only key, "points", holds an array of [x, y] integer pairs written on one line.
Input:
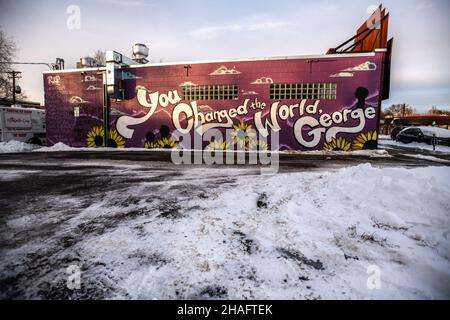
{"points": [[413, 145], [56, 147], [429, 158], [218, 233], [8, 175], [376, 153], [63, 147], [16, 146]]}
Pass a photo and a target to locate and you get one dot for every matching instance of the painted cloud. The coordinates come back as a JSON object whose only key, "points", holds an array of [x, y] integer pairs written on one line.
{"points": [[187, 84], [77, 100], [129, 76], [205, 107], [263, 80], [223, 70], [366, 66], [88, 78], [249, 93], [93, 88], [342, 75]]}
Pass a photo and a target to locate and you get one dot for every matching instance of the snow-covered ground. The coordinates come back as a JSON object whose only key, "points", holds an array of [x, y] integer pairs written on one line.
{"points": [[384, 143], [388, 143], [145, 232], [16, 146]]}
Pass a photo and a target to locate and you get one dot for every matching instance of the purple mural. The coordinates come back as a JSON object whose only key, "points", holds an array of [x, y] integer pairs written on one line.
{"points": [[329, 102]]}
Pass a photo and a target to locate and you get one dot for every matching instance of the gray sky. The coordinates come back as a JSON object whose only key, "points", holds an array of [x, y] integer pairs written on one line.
{"points": [[204, 29]]}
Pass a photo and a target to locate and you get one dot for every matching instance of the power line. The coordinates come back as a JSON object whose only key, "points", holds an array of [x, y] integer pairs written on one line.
{"points": [[50, 65], [59, 65]]}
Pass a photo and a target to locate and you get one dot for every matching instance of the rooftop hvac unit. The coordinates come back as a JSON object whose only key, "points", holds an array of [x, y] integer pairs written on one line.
{"points": [[140, 53], [86, 62]]}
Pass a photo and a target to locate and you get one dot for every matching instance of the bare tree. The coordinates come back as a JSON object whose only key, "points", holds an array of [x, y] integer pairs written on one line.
{"points": [[399, 110], [7, 51], [100, 58], [436, 111]]}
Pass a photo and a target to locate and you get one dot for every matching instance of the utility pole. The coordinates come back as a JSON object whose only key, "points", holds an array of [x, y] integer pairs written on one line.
{"points": [[14, 75]]}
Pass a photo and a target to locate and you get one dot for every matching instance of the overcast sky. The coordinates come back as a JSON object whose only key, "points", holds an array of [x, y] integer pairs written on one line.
{"points": [[205, 29]]}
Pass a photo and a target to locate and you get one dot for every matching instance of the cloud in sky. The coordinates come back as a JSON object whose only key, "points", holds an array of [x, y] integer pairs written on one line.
{"points": [[253, 23], [129, 3]]}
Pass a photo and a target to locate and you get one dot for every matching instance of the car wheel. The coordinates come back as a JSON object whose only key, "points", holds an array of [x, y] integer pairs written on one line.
{"points": [[35, 141]]}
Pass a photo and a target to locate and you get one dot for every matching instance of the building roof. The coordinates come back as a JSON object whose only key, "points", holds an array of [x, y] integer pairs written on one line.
{"points": [[322, 56]]}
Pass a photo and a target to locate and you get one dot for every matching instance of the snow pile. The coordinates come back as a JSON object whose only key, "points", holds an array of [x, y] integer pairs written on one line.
{"points": [[380, 153], [429, 158], [60, 146], [14, 146], [228, 233], [375, 153], [413, 145], [57, 147], [439, 132], [314, 239]]}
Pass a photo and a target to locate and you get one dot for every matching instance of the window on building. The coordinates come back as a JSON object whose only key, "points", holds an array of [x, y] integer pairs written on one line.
{"points": [[299, 91], [210, 92]]}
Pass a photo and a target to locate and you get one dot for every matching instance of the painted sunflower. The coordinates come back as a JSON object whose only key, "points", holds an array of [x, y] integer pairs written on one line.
{"points": [[259, 145], [365, 141], [219, 145], [94, 138], [166, 143], [115, 139], [243, 134], [337, 144], [150, 145]]}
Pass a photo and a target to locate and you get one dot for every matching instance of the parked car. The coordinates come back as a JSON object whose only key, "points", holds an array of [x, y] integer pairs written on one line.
{"points": [[424, 134], [395, 131]]}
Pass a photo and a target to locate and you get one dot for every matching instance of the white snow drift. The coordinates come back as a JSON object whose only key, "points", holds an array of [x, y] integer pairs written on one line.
{"points": [[421, 146], [222, 233], [16, 146]]}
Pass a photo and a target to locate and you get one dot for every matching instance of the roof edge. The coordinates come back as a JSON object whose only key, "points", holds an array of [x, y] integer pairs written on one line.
{"points": [[322, 56]]}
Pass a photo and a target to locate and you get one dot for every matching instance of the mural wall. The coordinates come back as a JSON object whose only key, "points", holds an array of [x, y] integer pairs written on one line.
{"points": [[343, 118]]}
